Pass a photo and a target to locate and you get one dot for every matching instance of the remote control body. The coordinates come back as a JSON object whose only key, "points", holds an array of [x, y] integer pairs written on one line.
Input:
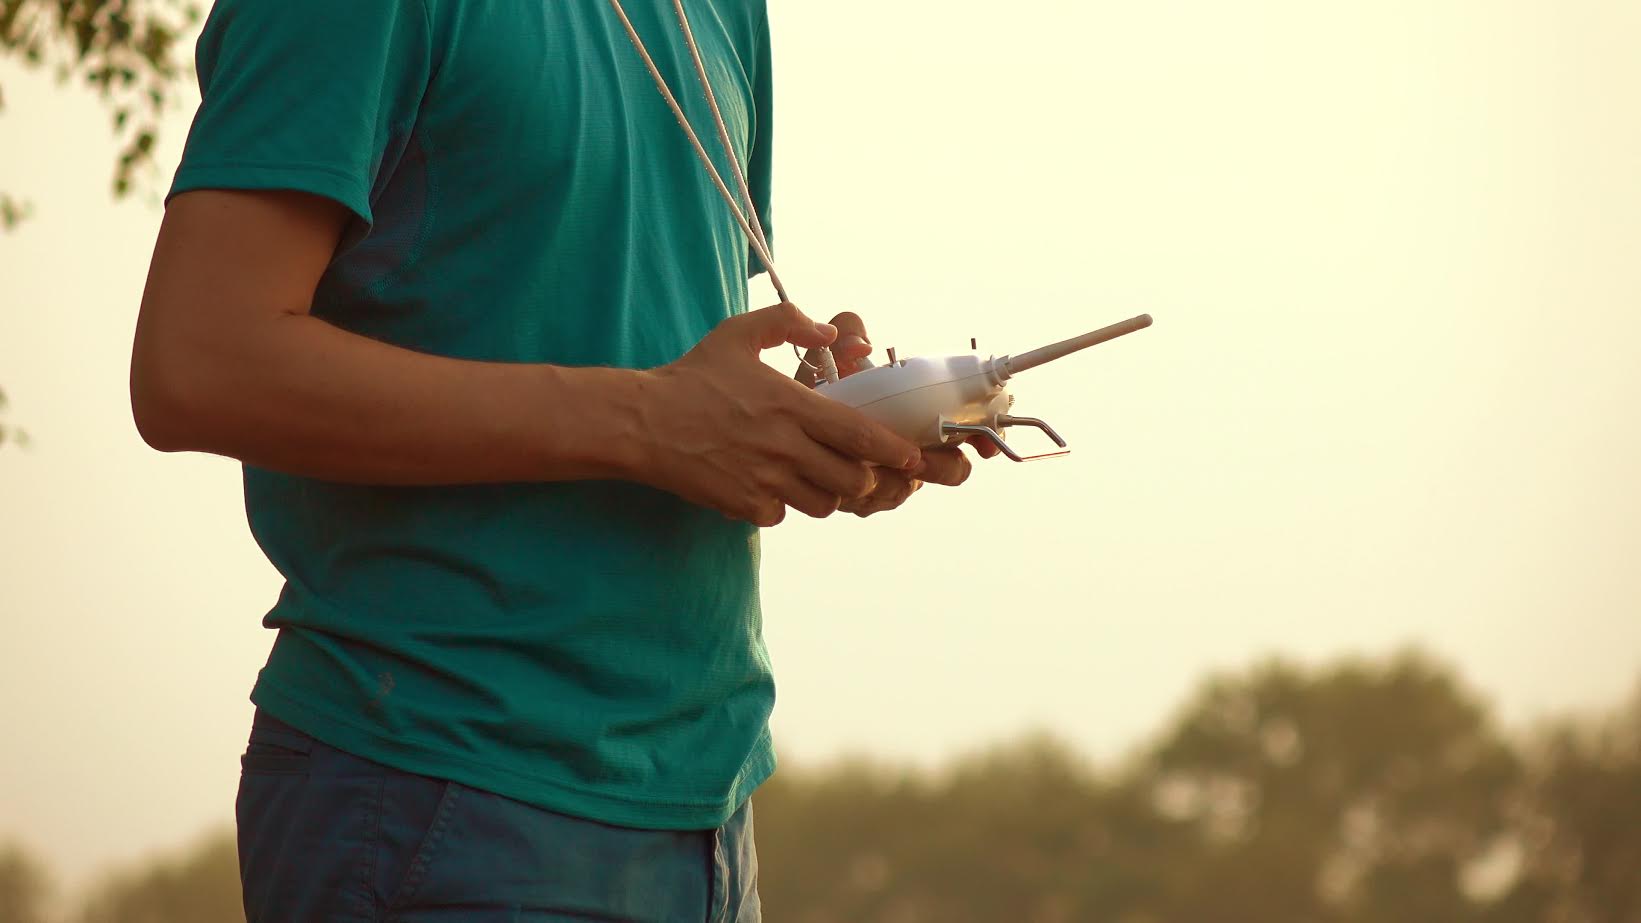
{"points": [[917, 398], [938, 401]]}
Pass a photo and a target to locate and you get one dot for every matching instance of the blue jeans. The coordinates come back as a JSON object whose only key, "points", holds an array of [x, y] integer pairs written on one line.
{"points": [[327, 837]]}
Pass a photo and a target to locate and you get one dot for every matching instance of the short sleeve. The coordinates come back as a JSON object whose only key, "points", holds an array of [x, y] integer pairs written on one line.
{"points": [[763, 125], [306, 95]]}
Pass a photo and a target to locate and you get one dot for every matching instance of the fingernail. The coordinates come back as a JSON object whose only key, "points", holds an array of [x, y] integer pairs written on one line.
{"points": [[825, 330], [912, 461]]}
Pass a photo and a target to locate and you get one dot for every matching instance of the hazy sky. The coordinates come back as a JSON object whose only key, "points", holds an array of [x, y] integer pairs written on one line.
{"points": [[1392, 395]]}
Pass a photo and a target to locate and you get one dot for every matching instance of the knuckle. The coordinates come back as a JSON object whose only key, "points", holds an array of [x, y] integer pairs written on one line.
{"points": [[864, 481], [758, 501], [861, 437], [770, 513], [766, 478], [888, 481], [825, 508], [949, 468]]}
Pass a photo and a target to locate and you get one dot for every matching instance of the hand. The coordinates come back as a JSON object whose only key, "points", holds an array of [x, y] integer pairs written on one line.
{"points": [[721, 429], [848, 349], [851, 346], [946, 465]]}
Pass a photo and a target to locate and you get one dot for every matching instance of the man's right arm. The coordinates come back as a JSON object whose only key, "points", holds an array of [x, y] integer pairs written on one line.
{"points": [[229, 360]]}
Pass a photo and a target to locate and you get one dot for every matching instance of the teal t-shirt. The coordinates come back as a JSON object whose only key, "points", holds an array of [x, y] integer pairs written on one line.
{"points": [[521, 193]]}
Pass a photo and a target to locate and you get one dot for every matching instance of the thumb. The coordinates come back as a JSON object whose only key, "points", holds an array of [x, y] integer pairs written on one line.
{"points": [[769, 327]]}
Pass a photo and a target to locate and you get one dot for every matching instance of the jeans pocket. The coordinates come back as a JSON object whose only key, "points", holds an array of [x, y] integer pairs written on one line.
{"points": [[275, 747], [416, 817], [307, 828]]}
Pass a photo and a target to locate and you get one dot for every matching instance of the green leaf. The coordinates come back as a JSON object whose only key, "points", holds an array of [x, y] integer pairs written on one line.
{"points": [[126, 51], [12, 213]]}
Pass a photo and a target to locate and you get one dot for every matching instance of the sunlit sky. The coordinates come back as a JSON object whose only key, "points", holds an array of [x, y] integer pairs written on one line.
{"points": [[1392, 395]]}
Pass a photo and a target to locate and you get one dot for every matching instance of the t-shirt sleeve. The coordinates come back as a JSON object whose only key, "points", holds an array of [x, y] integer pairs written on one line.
{"points": [[763, 125], [305, 95]]}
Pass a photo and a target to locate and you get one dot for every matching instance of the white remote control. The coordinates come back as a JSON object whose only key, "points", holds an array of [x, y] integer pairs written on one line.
{"points": [[929, 401], [935, 401]]}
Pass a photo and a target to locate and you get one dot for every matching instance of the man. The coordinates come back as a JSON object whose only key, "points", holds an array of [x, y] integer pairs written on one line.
{"points": [[447, 278]]}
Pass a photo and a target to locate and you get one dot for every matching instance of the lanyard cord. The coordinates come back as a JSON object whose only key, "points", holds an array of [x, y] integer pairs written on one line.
{"points": [[747, 218]]}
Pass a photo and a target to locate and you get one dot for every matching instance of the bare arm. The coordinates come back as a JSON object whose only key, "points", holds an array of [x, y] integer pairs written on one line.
{"points": [[228, 360]]}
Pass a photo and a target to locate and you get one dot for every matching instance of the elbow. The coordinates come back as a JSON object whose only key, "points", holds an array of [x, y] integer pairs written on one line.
{"points": [[164, 404], [154, 411]]}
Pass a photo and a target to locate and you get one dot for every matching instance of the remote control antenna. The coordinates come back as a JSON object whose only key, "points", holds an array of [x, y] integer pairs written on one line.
{"points": [[1014, 365]]}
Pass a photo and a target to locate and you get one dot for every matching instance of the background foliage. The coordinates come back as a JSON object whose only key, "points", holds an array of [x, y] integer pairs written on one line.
{"points": [[123, 50], [126, 52], [1361, 791]]}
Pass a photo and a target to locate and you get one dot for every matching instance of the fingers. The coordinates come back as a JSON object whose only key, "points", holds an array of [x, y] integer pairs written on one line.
{"points": [[807, 477], [855, 435], [786, 488], [778, 324], [826, 469], [984, 447], [850, 324], [946, 466], [767, 513], [847, 351], [851, 346], [808, 499], [893, 489]]}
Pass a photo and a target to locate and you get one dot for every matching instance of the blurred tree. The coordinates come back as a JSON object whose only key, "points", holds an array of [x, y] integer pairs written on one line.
{"points": [[1587, 804], [201, 886], [24, 887], [1023, 833], [1355, 793], [124, 50], [1360, 793]]}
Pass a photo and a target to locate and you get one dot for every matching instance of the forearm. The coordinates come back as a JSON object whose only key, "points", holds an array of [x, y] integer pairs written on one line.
{"points": [[303, 396]]}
